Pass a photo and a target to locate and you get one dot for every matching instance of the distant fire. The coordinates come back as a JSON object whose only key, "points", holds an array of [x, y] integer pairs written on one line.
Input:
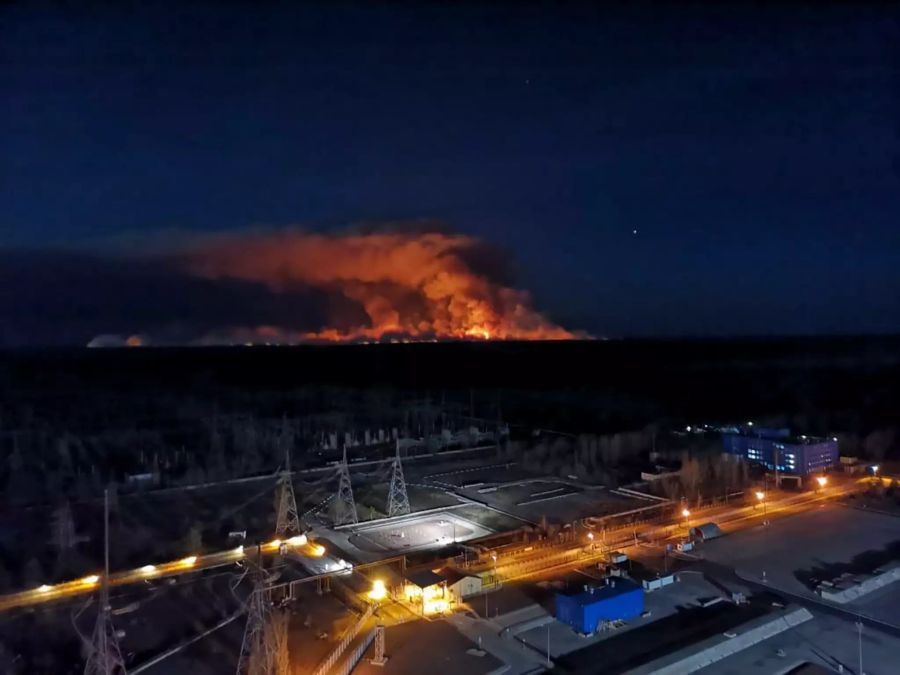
{"points": [[415, 286]]}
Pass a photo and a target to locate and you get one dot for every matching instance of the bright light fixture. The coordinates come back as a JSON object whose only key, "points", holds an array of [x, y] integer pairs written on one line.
{"points": [[685, 513], [378, 592], [822, 481], [91, 580], [760, 495], [190, 561], [43, 588], [148, 569]]}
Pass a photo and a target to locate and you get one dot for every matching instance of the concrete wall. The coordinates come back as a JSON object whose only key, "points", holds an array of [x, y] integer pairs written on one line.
{"points": [[850, 594]]}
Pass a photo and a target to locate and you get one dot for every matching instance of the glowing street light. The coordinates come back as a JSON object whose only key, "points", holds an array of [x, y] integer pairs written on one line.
{"points": [[190, 561], [761, 497], [822, 481], [378, 592], [43, 588], [590, 537], [90, 580], [148, 569], [687, 514]]}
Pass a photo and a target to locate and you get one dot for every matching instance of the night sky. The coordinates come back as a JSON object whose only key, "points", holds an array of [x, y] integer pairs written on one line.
{"points": [[649, 171]]}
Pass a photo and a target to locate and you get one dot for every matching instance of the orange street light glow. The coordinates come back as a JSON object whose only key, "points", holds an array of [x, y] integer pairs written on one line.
{"points": [[822, 481], [148, 569], [378, 592], [760, 496], [190, 561], [91, 580], [685, 513], [43, 588]]}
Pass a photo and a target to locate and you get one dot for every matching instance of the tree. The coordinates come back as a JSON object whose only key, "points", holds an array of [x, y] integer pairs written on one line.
{"points": [[62, 530], [193, 541], [33, 573]]}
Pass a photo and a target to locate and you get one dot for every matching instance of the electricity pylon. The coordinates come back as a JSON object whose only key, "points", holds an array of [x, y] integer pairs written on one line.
{"points": [[345, 506], [105, 657], [264, 649], [287, 521], [398, 500]]}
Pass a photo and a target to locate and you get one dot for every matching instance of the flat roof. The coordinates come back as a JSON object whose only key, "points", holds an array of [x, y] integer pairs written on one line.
{"points": [[605, 592], [785, 440], [425, 578]]}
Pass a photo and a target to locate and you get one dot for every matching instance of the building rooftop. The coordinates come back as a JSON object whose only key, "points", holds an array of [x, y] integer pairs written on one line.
{"points": [[778, 435], [425, 578], [594, 594]]}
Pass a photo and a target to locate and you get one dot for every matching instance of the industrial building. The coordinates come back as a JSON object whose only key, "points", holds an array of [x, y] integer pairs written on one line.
{"points": [[619, 599], [778, 450]]}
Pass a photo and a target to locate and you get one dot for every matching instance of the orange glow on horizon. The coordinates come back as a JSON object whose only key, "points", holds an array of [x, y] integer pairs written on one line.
{"points": [[407, 286]]}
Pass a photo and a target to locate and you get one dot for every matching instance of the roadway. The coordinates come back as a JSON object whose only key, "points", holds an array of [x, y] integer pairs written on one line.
{"points": [[147, 573], [533, 561]]}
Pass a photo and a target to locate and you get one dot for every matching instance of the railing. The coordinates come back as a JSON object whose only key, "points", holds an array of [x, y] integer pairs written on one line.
{"points": [[349, 636], [349, 664]]}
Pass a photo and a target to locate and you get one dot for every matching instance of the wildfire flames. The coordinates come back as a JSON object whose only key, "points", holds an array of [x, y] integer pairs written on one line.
{"points": [[409, 285]]}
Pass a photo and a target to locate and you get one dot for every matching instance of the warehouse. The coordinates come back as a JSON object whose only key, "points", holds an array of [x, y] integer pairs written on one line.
{"points": [[619, 599]]}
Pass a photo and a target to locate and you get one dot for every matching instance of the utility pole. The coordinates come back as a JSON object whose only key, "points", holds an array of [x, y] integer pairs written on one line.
{"points": [[345, 506], [398, 499], [859, 628], [105, 657]]}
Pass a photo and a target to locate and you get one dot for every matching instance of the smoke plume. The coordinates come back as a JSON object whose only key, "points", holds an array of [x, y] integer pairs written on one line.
{"points": [[410, 285]]}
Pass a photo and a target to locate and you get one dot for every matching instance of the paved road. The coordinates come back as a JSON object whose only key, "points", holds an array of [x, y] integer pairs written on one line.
{"points": [[68, 589]]}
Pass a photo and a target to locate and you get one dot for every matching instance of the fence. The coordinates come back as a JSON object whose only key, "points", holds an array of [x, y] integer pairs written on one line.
{"points": [[349, 664], [349, 636]]}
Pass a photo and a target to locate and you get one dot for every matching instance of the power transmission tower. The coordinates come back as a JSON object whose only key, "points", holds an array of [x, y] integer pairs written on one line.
{"points": [[264, 649], [345, 506], [398, 500], [105, 657], [287, 521]]}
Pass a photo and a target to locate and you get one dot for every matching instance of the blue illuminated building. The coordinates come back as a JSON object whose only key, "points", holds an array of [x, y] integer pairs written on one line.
{"points": [[621, 599], [800, 455]]}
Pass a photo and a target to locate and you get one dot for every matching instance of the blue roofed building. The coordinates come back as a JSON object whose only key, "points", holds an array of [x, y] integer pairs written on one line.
{"points": [[620, 599], [777, 449]]}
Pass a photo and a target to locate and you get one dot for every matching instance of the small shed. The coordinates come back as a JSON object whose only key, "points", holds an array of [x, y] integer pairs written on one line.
{"points": [[706, 531], [620, 599], [461, 585]]}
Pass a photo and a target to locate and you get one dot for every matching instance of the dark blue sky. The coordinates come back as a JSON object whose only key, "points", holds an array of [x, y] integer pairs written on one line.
{"points": [[755, 151]]}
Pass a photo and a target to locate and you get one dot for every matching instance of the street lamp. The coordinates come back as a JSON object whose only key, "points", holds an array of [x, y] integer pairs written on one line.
{"points": [[590, 537], [761, 497], [822, 481], [686, 514]]}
